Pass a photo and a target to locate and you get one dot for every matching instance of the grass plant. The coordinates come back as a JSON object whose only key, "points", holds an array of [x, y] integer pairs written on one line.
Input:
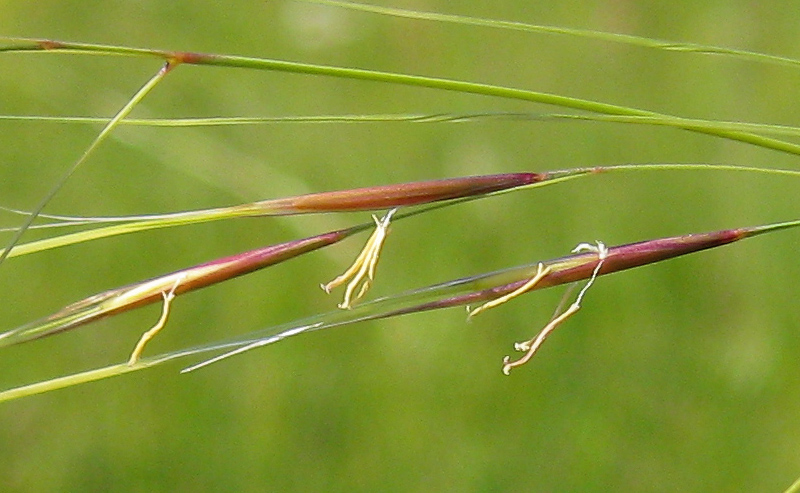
{"points": [[392, 202]]}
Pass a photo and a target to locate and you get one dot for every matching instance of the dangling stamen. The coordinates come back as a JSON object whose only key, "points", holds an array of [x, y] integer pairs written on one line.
{"points": [[530, 347], [541, 272], [151, 333], [362, 272]]}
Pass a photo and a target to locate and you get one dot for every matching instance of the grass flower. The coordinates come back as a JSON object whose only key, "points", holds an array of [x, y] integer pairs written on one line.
{"points": [[492, 289], [166, 287]]}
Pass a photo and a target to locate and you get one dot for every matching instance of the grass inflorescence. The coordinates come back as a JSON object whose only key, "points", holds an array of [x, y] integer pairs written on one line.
{"points": [[399, 204], [396, 201]]}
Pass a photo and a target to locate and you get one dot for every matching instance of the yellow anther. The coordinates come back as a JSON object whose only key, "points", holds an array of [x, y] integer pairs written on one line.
{"points": [[530, 347], [541, 272], [151, 333], [362, 272]]}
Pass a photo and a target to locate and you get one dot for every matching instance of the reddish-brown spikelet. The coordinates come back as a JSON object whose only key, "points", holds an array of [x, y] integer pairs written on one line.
{"points": [[581, 266], [637, 254], [380, 197], [184, 280], [406, 194]]}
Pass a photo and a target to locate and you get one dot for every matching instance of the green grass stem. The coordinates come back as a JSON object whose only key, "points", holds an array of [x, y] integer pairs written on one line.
{"points": [[627, 39], [467, 87], [784, 130], [122, 113]]}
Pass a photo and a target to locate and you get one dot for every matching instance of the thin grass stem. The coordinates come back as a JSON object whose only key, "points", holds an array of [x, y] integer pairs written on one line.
{"points": [[626, 39], [467, 87], [121, 114]]}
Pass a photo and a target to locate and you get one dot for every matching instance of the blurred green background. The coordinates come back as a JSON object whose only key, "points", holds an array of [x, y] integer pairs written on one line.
{"points": [[680, 376]]}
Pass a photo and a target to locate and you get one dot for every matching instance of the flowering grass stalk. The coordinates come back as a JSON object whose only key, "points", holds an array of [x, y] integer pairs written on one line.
{"points": [[403, 195], [491, 286], [465, 291], [142, 293], [478, 293], [352, 200], [384, 197], [173, 59]]}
